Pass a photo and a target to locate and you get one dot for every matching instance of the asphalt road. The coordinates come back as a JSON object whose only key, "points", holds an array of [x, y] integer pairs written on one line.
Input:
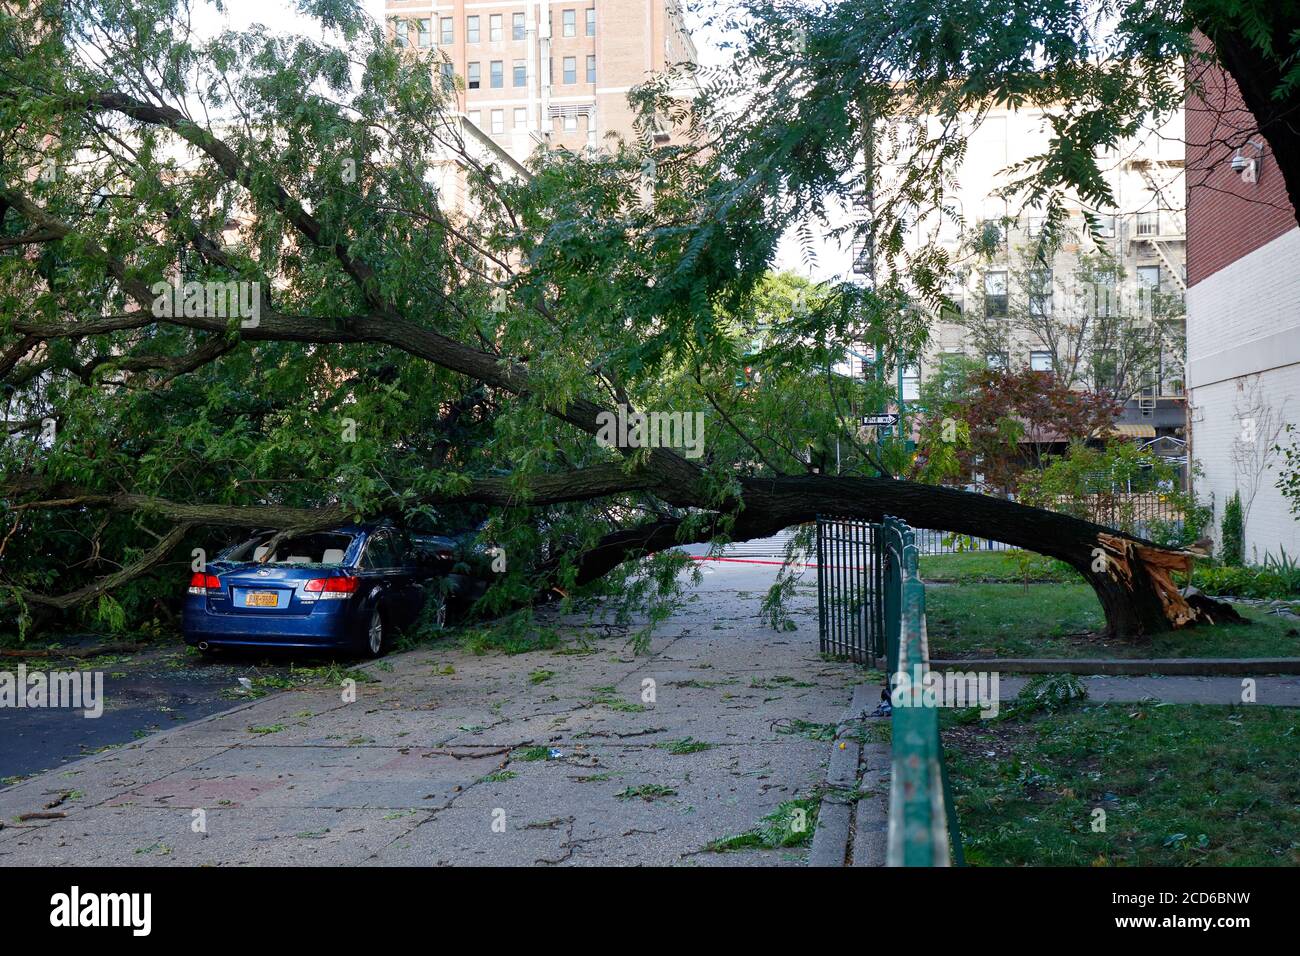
{"points": [[144, 693]]}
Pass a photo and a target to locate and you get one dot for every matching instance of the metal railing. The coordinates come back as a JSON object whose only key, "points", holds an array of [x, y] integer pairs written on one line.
{"points": [[923, 827], [871, 605], [1135, 512], [1145, 514], [930, 541]]}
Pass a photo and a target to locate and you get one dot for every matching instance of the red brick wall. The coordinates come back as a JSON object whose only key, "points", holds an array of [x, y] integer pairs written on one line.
{"points": [[1226, 218]]}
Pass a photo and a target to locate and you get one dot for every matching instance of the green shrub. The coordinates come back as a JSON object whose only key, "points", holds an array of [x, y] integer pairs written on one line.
{"points": [[1276, 579], [1234, 533]]}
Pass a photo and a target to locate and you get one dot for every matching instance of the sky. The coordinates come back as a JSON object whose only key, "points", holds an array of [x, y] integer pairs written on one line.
{"points": [[283, 15]]}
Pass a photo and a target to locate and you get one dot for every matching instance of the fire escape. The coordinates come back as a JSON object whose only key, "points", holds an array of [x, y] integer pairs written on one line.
{"points": [[1157, 232]]}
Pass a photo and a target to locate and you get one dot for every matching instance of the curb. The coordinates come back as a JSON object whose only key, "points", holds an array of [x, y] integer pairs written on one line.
{"points": [[871, 833], [1162, 666], [853, 832]]}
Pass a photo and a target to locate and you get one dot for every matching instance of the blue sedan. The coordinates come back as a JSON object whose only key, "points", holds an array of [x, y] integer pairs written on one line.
{"points": [[346, 589]]}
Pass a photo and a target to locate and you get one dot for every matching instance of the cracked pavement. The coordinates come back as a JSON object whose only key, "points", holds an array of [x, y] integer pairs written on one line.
{"points": [[429, 765]]}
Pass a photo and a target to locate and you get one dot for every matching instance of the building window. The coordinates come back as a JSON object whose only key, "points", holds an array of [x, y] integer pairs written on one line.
{"points": [[516, 26], [476, 117], [1040, 292], [1036, 224], [520, 72], [591, 68], [591, 21], [424, 33], [997, 361], [496, 32], [570, 22], [521, 117], [570, 70], [498, 122], [951, 310], [474, 76], [1148, 223], [570, 122], [1105, 227], [448, 31], [401, 29], [498, 74], [471, 30], [995, 294], [1103, 288], [911, 382], [448, 76], [1040, 361], [1149, 277]]}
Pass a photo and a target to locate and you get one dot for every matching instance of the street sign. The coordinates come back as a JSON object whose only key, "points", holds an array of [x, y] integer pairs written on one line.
{"points": [[887, 420]]}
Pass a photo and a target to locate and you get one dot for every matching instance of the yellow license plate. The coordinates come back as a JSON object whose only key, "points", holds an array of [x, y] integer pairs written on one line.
{"points": [[261, 599]]}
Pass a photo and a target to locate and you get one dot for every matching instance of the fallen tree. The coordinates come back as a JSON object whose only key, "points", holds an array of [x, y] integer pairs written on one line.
{"points": [[407, 354]]}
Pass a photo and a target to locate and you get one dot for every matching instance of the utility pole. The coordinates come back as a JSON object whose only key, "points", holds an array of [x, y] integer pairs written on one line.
{"points": [[869, 254]]}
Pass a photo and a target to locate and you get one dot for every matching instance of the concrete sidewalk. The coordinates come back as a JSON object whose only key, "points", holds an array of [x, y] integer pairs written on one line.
{"points": [[426, 766], [1268, 691]]}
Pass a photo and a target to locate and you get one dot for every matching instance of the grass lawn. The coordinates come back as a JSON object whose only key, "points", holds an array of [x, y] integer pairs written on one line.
{"points": [[1065, 620], [993, 566], [1180, 784]]}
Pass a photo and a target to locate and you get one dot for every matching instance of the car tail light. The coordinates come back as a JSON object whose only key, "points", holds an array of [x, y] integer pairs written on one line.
{"points": [[203, 583], [331, 588]]}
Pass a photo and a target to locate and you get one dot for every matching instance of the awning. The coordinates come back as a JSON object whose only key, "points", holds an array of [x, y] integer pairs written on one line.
{"points": [[1125, 431], [1134, 431]]}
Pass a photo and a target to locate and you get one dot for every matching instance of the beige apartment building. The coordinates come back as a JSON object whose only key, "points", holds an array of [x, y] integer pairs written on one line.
{"points": [[552, 73], [1144, 235]]}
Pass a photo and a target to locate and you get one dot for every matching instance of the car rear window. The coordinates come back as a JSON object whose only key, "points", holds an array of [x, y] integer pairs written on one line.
{"points": [[321, 548]]}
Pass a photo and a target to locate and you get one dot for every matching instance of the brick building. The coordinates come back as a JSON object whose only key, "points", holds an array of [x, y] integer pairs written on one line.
{"points": [[1243, 313], [553, 72]]}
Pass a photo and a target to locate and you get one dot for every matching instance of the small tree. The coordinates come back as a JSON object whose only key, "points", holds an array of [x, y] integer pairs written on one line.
{"points": [[1288, 481], [999, 423], [1254, 450], [1234, 527]]}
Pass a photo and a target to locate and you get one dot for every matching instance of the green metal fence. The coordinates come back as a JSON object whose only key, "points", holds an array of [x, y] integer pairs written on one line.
{"points": [[871, 603]]}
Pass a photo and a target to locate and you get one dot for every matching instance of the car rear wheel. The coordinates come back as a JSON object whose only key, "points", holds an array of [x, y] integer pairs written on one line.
{"points": [[374, 636]]}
